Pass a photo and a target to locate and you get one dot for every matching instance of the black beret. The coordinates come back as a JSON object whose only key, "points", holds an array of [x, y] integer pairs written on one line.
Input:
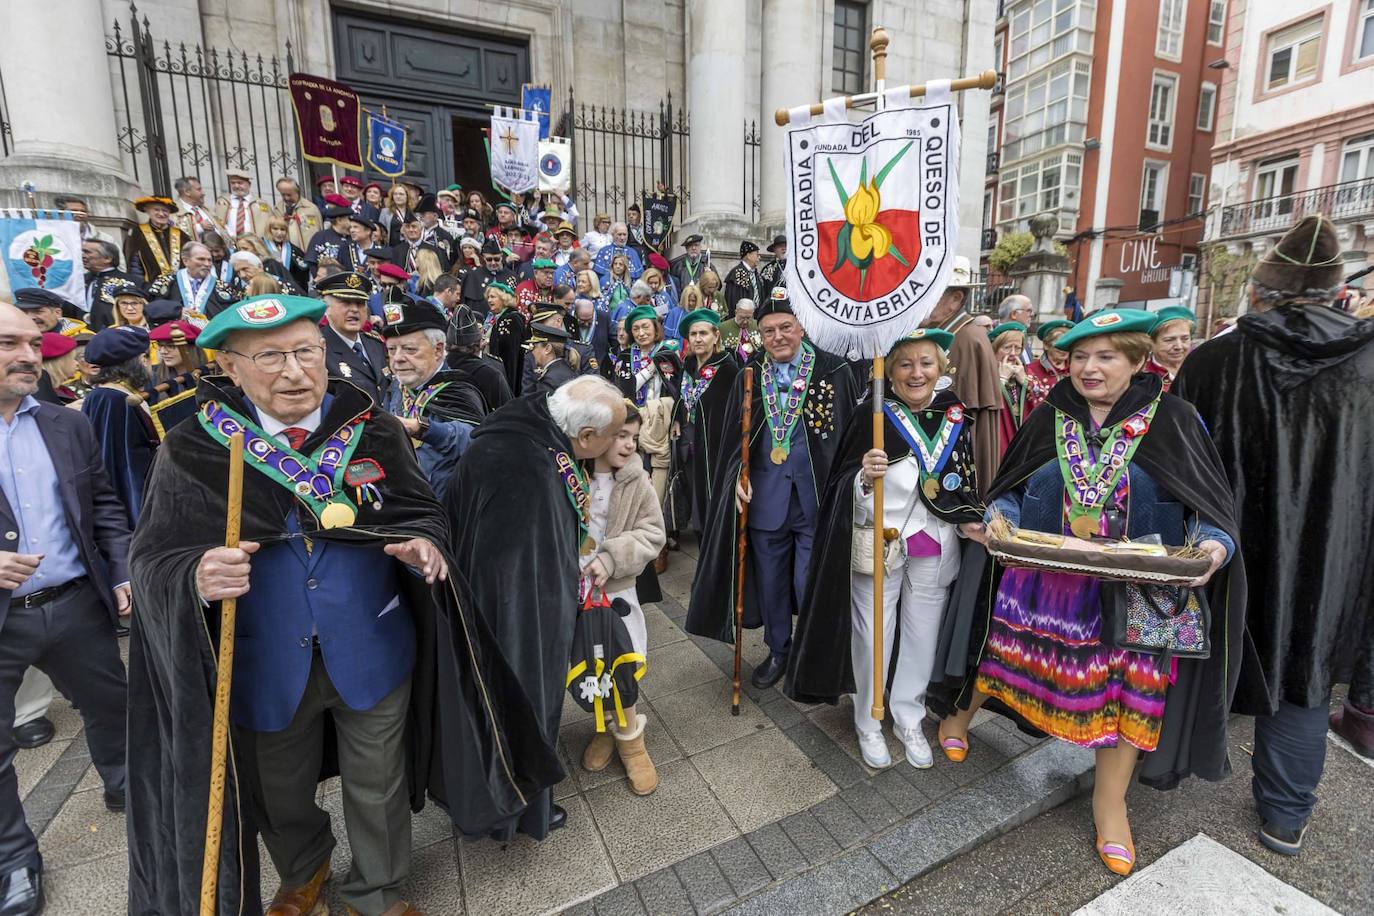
{"points": [[162, 310], [491, 246], [361, 220], [777, 303], [464, 328], [381, 254], [332, 213], [116, 345], [35, 297], [428, 204], [405, 314], [747, 247]]}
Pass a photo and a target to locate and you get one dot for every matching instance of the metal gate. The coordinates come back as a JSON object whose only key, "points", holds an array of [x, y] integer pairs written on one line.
{"points": [[188, 110], [620, 154]]}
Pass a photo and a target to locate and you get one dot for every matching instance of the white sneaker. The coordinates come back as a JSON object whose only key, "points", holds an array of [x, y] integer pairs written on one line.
{"points": [[917, 748], [874, 749]]}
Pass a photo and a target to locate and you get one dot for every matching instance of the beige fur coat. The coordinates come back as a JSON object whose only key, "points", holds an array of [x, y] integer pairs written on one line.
{"points": [[634, 527]]}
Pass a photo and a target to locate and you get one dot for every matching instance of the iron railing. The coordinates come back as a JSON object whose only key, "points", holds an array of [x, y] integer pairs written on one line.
{"points": [[750, 190], [188, 110], [1344, 201], [620, 154], [6, 137]]}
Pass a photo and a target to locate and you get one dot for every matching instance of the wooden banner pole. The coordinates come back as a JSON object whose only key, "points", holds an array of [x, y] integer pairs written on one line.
{"points": [[985, 80], [878, 44]]}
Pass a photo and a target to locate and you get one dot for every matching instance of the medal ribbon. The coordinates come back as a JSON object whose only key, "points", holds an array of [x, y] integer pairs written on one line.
{"points": [[694, 388], [173, 242], [315, 481], [194, 301], [932, 452], [575, 484], [782, 419], [1090, 485], [413, 405], [641, 364]]}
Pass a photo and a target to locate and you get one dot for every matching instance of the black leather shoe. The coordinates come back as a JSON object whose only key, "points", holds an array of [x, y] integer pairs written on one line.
{"points": [[21, 892], [770, 672], [114, 799], [1286, 841], [557, 817], [34, 733]]}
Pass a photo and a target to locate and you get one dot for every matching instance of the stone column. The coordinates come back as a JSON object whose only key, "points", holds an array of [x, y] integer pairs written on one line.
{"points": [[791, 69], [715, 103], [61, 106]]}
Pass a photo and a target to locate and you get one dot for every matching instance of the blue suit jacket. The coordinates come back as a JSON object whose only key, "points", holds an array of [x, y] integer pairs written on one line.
{"points": [[95, 515], [776, 485]]}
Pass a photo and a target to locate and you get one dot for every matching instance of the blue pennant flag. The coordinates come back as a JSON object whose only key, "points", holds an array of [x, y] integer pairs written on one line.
{"points": [[386, 145], [538, 99]]}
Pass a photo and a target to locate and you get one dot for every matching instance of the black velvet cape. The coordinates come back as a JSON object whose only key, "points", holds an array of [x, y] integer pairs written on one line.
{"points": [[1178, 455], [480, 745], [820, 667], [1288, 397], [698, 447], [831, 399], [515, 540]]}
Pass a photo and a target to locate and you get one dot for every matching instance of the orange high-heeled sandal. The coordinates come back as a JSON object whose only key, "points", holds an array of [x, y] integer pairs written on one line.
{"points": [[1118, 857], [956, 749]]}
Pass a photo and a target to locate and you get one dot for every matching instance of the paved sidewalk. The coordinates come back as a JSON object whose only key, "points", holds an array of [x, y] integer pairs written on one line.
{"points": [[771, 811]]}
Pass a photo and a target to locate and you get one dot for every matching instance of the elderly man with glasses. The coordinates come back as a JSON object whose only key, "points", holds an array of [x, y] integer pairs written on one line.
{"points": [[344, 613]]}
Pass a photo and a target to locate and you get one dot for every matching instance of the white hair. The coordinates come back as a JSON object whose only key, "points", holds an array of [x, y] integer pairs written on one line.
{"points": [[586, 401], [640, 288], [436, 336], [615, 226], [1011, 304], [245, 257]]}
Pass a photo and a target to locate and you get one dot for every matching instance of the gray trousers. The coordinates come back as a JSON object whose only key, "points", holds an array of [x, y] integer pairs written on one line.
{"points": [[282, 772]]}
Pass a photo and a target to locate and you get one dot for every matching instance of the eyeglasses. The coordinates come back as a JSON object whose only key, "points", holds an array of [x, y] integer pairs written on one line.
{"points": [[274, 361]]}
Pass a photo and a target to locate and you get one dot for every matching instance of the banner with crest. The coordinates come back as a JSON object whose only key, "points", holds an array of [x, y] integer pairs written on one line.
{"points": [[514, 149], [43, 248], [872, 218]]}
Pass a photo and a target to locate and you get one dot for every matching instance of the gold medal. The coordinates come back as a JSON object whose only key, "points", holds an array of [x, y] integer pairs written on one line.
{"points": [[1084, 527], [931, 488], [588, 545], [779, 455], [337, 515]]}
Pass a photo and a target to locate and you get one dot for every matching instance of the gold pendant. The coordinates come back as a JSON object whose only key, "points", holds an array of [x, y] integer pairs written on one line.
{"points": [[931, 488], [1084, 527], [337, 515], [588, 545], [778, 455]]}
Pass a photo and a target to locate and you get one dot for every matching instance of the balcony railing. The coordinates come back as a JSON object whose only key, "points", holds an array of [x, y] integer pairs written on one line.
{"points": [[1346, 201], [994, 160]]}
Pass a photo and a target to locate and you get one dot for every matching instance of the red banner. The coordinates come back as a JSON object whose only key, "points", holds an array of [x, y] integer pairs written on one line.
{"points": [[327, 118]]}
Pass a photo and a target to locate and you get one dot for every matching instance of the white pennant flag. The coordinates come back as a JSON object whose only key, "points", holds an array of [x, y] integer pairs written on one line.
{"points": [[42, 248], [514, 144], [555, 165]]}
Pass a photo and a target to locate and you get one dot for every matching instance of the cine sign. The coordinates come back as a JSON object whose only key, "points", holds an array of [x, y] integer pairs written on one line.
{"points": [[1142, 256]]}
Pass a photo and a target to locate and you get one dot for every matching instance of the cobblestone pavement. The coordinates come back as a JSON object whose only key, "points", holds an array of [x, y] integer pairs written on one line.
{"points": [[768, 812]]}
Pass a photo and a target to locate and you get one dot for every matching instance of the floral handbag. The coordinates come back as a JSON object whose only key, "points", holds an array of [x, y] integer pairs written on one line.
{"points": [[1164, 620]]}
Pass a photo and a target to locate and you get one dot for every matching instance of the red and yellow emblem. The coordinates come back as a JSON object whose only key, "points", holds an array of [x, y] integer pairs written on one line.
{"points": [[262, 311]]}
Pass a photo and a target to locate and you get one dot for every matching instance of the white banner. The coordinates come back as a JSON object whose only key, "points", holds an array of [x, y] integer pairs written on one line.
{"points": [[514, 144], [872, 221], [555, 165], [43, 248]]}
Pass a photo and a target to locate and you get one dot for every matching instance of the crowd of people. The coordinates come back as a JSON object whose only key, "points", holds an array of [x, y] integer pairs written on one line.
{"points": [[475, 433]]}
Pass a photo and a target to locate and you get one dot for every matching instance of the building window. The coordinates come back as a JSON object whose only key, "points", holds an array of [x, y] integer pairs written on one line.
{"points": [[1357, 159], [1292, 54], [1040, 31], [1049, 184], [1364, 31], [1216, 22], [987, 209], [849, 67], [1197, 192], [1276, 178], [1169, 39], [1045, 110], [1159, 132], [1206, 106], [1154, 187]]}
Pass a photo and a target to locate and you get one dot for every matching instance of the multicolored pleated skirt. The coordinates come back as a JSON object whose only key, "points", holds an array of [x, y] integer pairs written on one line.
{"points": [[1045, 659]]}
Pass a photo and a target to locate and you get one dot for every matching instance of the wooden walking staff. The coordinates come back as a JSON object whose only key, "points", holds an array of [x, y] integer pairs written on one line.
{"points": [[742, 538], [986, 80], [219, 740]]}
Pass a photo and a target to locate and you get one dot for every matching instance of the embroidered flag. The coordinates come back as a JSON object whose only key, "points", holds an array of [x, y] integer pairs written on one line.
{"points": [[538, 99], [43, 248], [514, 150], [555, 165], [327, 120], [659, 212], [386, 145], [872, 220]]}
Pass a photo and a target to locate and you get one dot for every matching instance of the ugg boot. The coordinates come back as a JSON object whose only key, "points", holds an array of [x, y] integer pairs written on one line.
{"points": [[661, 562], [597, 756], [638, 766]]}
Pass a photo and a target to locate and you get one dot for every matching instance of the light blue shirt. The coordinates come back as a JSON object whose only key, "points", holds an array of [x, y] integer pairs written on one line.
{"points": [[30, 483], [783, 373]]}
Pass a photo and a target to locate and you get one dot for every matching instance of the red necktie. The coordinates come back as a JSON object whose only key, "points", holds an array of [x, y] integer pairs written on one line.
{"points": [[296, 436], [240, 223]]}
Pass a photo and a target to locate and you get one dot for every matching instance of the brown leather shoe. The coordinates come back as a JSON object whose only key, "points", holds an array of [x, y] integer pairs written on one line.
{"points": [[661, 562], [304, 900]]}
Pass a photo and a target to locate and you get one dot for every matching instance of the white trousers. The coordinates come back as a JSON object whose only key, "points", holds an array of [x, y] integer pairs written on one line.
{"points": [[34, 697], [922, 605]]}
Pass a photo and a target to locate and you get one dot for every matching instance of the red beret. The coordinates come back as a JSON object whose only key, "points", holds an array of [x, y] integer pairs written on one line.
{"points": [[392, 271], [351, 180], [658, 260], [55, 345], [336, 200], [324, 180], [169, 331]]}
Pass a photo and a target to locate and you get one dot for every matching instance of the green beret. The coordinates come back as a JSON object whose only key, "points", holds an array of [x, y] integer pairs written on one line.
{"points": [[543, 264], [942, 339], [1173, 313], [503, 287], [1044, 330], [640, 313], [1004, 327], [707, 315], [1116, 321], [260, 313]]}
